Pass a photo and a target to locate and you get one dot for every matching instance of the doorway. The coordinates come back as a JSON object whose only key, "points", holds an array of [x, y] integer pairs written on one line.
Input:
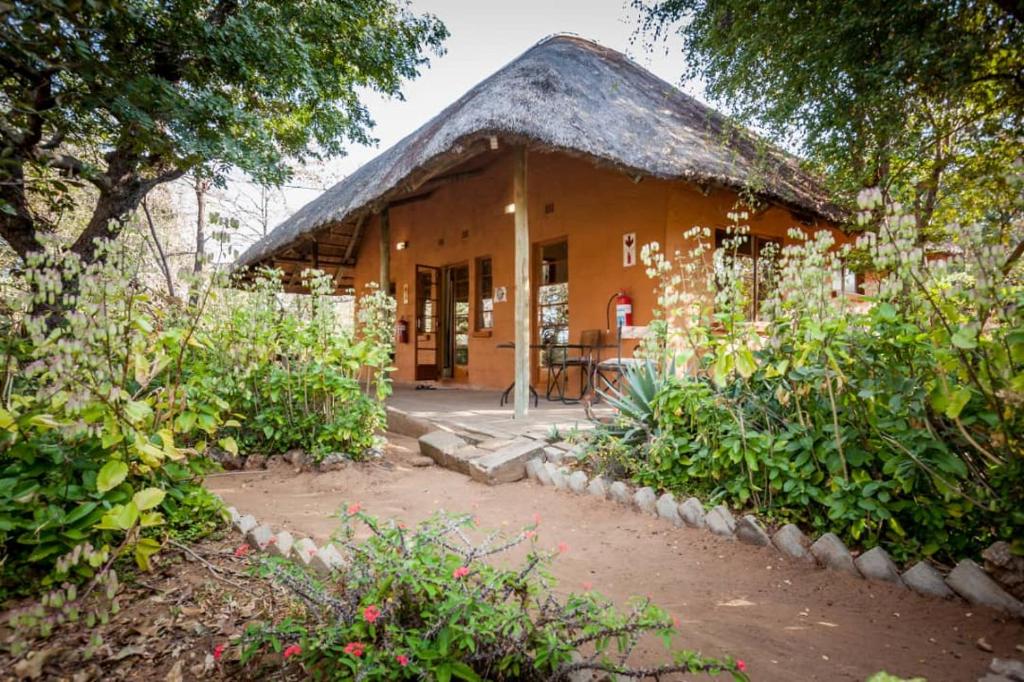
{"points": [[428, 280], [454, 331]]}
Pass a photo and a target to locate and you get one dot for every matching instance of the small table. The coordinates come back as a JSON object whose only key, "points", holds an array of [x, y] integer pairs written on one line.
{"points": [[511, 387], [586, 368]]}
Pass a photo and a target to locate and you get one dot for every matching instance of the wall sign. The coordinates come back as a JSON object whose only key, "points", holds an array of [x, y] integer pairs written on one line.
{"points": [[629, 249], [500, 294]]}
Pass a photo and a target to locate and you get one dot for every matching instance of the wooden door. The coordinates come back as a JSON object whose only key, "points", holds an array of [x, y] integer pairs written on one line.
{"points": [[428, 281]]}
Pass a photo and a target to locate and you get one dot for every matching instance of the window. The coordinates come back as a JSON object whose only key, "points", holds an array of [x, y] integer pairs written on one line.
{"points": [[755, 258], [845, 281], [553, 294], [484, 295], [460, 313]]}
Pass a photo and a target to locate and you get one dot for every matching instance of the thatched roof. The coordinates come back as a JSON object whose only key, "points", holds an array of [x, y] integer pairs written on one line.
{"points": [[572, 95]]}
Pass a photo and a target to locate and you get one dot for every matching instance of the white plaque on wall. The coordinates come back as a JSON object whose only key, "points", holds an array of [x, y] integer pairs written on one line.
{"points": [[629, 249]]}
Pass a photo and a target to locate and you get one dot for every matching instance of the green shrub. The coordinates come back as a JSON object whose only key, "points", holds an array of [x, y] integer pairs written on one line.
{"points": [[897, 423], [291, 371], [95, 443], [431, 604]]}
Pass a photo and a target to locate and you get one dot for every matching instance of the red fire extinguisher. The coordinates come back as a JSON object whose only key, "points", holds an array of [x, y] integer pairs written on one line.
{"points": [[402, 331], [623, 310]]}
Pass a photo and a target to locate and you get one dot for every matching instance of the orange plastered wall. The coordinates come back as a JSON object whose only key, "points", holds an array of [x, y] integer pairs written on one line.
{"points": [[592, 208]]}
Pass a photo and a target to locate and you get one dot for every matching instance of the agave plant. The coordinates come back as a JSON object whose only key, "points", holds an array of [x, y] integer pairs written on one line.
{"points": [[639, 384]]}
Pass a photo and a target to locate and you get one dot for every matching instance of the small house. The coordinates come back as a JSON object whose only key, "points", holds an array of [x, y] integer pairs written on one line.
{"points": [[515, 217]]}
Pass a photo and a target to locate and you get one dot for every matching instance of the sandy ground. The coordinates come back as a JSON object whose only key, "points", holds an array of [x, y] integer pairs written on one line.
{"points": [[787, 621]]}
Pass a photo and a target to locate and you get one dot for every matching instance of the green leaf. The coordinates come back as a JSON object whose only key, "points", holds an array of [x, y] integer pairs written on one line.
{"points": [[965, 338], [956, 402], [144, 549], [229, 444], [746, 365], [120, 517], [137, 411], [148, 498], [111, 475]]}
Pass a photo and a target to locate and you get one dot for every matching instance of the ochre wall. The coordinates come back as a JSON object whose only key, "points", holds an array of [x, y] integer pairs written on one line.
{"points": [[592, 208]]}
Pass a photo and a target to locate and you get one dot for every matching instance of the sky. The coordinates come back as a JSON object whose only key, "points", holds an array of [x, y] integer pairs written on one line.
{"points": [[484, 36]]}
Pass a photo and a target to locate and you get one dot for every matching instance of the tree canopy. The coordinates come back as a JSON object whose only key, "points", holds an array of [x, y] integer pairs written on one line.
{"points": [[923, 99], [125, 94]]}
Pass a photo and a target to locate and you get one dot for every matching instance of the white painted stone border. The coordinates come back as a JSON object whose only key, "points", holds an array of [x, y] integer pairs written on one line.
{"points": [[322, 561], [967, 579]]}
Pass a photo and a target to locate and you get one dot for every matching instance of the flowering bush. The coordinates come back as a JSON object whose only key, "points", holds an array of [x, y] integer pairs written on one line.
{"points": [[897, 421], [100, 427], [432, 604]]}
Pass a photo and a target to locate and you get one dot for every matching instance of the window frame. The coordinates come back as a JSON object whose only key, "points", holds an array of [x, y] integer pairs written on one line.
{"points": [[479, 323]]}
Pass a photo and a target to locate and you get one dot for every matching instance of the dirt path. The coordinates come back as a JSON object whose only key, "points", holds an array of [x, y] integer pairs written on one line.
{"points": [[788, 622]]}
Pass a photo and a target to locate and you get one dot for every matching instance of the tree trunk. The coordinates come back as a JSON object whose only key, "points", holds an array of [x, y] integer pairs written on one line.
{"points": [[202, 186]]}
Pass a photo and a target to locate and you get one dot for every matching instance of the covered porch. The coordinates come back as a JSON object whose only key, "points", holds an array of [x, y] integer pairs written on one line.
{"points": [[478, 415]]}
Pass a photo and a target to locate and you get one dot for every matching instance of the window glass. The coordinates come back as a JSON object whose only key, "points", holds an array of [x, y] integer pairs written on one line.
{"points": [[484, 294], [553, 295], [756, 260]]}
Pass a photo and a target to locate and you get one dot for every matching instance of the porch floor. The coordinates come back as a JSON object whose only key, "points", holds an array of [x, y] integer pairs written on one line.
{"points": [[477, 412]]}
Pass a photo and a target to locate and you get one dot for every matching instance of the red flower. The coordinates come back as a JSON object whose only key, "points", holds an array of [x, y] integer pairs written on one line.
{"points": [[292, 650], [530, 533], [402, 659], [675, 621], [460, 572], [588, 586], [355, 649], [740, 665], [242, 550], [371, 613], [272, 540], [562, 547], [218, 651], [354, 508]]}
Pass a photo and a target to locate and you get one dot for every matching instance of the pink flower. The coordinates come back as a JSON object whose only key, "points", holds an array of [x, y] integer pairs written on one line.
{"points": [[371, 613], [242, 550], [292, 650], [355, 649], [529, 534], [536, 519], [354, 508], [740, 665], [588, 586], [675, 621], [218, 651], [460, 572], [562, 547], [402, 659]]}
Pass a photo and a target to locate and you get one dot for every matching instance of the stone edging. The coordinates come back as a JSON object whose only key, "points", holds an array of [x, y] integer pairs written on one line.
{"points": [[530, 456], [259, 537], [967, 579]]}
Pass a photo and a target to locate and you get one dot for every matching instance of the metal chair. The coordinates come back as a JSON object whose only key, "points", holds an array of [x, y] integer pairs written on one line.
{"points": [[584, 360], [611, 370]]}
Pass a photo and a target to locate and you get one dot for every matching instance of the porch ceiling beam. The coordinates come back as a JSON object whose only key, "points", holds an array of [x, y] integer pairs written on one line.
{"points": [[522, 283], [357, 235]]}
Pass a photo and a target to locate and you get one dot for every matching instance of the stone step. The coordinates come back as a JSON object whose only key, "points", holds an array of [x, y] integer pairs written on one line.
{"points": [[506, 464]]}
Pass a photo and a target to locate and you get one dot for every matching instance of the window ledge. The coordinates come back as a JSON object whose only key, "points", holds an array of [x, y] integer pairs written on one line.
{"points": [[482, 334]]}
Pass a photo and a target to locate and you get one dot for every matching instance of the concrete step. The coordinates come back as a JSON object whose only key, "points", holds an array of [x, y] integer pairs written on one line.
{"points": [[491, 461], [507, 463]]}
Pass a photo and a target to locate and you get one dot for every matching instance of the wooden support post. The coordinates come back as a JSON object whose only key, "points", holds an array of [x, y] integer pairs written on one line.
{"points": [[385, 251], [522, 284]]}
